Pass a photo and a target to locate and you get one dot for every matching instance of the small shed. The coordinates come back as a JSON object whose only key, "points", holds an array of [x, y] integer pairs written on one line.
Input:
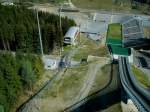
{"points": [[71, 37]]}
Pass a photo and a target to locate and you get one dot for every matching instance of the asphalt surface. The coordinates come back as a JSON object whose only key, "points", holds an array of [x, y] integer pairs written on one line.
{"points": [[95, 21]]}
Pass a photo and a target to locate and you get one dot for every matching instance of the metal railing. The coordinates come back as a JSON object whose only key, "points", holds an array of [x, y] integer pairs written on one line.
{"points": [[139, 95]]}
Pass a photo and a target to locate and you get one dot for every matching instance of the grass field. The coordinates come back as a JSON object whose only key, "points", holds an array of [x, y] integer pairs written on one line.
{"points": [[68, 86], [89, 47], [103, 4], [143, 79], [147, 32], [72, 83], [64, 90], [102, 78], [114, 31]]}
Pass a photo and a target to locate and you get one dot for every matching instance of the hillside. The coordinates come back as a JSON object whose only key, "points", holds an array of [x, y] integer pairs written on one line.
{"points": [[35, 1], [23, 31]]}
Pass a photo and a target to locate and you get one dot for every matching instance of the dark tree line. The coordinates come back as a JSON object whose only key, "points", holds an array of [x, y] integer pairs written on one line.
{"points": [[141, 5], [142, 1], [18, 72], [19, 31]]}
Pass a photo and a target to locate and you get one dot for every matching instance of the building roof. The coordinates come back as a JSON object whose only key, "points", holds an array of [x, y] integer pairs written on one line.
{"points": [[119, 50], [114, 34], [114, 40], [72, 32], [132, 32]]}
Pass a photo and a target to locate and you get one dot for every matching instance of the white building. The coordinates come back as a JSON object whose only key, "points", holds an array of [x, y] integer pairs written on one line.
{"points": [[71, 37], [50, 64]]}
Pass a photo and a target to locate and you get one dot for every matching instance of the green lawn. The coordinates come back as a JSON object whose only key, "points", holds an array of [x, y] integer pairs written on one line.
{"points": [[114, 31], [70, 83], [67, 49], [142, 77], [103, 4]]}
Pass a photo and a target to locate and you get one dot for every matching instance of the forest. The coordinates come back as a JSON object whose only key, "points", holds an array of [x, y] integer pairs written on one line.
{"points": [[142, 1], [20, 63], [19, 30], [17, 73]]}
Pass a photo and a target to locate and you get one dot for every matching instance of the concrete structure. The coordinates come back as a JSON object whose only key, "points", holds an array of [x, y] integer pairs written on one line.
{"points": [[133, 34], [72, 36], [50, 64], [114, 41]]}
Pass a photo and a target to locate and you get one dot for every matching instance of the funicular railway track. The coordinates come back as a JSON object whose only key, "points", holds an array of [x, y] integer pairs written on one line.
{"points": [[140, 96]]}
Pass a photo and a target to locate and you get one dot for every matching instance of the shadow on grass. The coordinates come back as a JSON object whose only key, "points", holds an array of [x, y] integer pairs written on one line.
{"points": [[100, 102], [101, 99]]}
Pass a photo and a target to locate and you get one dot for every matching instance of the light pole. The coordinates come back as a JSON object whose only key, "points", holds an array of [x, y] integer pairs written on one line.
{"points": [[60, 26], [111, 18], [79, 33], [41, 45], [60, 16]]}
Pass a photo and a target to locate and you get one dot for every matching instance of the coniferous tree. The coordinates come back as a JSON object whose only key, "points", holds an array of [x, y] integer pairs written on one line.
{"points": [[19, 33]]}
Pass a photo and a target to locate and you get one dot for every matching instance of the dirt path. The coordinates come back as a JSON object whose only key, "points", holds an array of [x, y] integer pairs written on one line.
{"points": [[91, 74]]}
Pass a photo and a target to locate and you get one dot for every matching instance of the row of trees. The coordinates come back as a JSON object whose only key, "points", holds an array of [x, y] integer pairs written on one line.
{"points": [[142, 1], [18, 72], [19, 31], [142, 6]]}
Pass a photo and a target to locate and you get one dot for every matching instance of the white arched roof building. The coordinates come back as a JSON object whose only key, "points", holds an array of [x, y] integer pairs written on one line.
{"points": [[71, 35]]}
